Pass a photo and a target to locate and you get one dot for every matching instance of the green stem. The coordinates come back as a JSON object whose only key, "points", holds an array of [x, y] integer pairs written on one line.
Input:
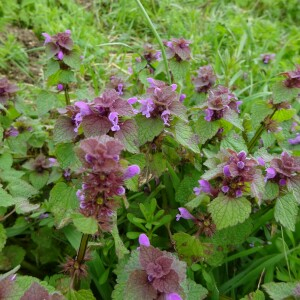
{"points": [[67, 96], [162, 48], [80, 258], [258, 133]]}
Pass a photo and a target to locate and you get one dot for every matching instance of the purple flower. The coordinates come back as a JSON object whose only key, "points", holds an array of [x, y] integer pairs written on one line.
{"points": [[113, 118], [165, 117], [60, 87], [296, 140], [80, 195], [225, 189], [120, 89], [282, 181], [238, 193], [261, 161], [185, 214], [208, 114], [174, 87], [147, 107], [132, 100], [47, 38], [205, 79], [226, 171], [182, 97], [52, 161], [271, 173], [120, 190], [173, 296], [132, 171], [85, 109], [266, 58], [144, 240], [60, 55], [240, 165], [204, 187]]}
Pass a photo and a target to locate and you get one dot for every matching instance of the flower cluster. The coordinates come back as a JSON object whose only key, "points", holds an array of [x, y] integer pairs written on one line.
{"points": [[40, 163], [117, 84], [202, 221], [284, 169], [161, 100], [293, 78], [103, 112], [220, 103], [59, 44], [150, 54], [266, 58], [205, 79], [178, 49], [234, 177], [104, 178], [7, 90], [159, 275]]}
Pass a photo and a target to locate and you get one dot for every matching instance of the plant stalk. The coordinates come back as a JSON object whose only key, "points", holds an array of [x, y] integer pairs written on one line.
{"points": [[80, 258], [162, 48], [258, 133], [67, 96]]}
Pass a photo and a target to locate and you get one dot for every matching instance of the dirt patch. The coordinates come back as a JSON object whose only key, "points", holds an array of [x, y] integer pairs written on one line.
{"points": [[27, 41]]}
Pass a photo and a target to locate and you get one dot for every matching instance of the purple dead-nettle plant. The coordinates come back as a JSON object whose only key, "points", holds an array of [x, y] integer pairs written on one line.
{"points": [[296, 140], [150, 54], [266, 58], [158, 275], [178, 49], [235, 175], [293, 78], [202, 221], [284, 170], [220, 104], [205, 79], [117, 84], [7, 90], [40, 163], [59, 44], [104, 112], [103, 178], [161, 100]]}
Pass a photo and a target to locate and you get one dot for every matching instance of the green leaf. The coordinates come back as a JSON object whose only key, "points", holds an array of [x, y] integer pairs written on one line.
{"points": [[271, 191], [283, 115], [73, 59], [11, 256], [52, 67], [189, 248], [86, 225], [185, 189], [2, 237], [205, 130], [228, 212], [6, 161], [63, 130], [157, 164], [280, 290], [46, 101], [233, 141], [128, 135], [282, 93], [233, 118], [259, 110], [148, 128], [293, 185], [62, 203], [194, 291], [179, 69], [66, 156], [257, 295], [185, 136], [66, 76], [234, 235], [39, 180], [6, 199], [268, 139], [121, 250], [21, 188], [286, 211]]}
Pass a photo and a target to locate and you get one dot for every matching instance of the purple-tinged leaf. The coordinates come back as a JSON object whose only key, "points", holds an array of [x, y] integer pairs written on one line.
{"points": [[93, 125], [122, 107], [64, 130], [179, 110], [128, 135]]}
